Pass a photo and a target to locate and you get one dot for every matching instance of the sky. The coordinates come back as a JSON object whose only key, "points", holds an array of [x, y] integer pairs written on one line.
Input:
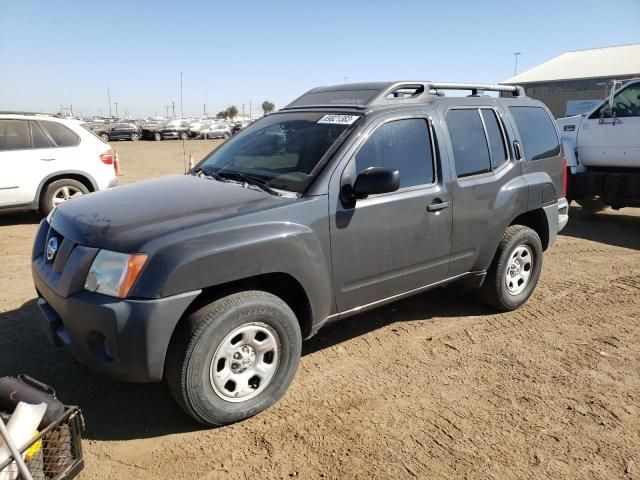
{"points": [[65, 52]]}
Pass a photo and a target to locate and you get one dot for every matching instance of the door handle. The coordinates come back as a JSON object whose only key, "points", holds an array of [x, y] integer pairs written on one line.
{"points": [[50, 159], [436, 207]]}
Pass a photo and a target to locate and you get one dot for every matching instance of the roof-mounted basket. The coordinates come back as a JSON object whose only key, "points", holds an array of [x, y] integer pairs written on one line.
{"points": [[365, 95]]}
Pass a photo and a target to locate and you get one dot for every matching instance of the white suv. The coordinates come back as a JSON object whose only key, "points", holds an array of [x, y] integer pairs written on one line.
{"points": [[46, 160]]}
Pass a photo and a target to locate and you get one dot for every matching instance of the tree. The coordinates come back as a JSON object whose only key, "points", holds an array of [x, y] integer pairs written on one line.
{"points": [[224, 114], [267, 107], [232, 112]]}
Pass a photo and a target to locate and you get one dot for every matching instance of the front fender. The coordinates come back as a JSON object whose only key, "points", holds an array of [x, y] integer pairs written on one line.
{"points": [[227, 255]]}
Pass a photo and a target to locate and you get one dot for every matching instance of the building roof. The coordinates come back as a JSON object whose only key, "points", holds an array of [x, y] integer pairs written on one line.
{"points": [[618, 61]]}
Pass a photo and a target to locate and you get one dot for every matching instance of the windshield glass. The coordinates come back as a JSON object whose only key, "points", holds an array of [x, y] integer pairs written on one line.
{"points": [[282, 150]]}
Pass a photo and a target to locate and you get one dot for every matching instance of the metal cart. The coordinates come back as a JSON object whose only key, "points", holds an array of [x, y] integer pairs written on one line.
{"points": [[55, 453]]}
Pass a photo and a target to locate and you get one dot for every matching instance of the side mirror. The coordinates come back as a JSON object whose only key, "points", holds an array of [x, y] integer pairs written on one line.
{"points": [[375, 180]]}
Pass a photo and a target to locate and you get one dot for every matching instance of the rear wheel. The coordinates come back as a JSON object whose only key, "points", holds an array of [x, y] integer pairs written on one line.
{"points": [[515, 270], [226, 136], [157, 137], [60, 191], [184, 135], [135, 137], [234, 357], [104, 137]]}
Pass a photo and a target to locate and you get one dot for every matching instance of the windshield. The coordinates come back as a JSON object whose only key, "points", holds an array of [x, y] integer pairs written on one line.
{"points": [[282, 150]]}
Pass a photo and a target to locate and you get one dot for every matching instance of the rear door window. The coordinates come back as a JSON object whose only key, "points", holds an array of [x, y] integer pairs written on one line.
{"points": [[470, 148], [38, 137], [14, 135], [62, 135], [537, 132], [497, 146]]}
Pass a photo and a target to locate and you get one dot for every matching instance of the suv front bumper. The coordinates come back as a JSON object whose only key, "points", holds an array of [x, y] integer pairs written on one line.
{"points": [[126, 339]]}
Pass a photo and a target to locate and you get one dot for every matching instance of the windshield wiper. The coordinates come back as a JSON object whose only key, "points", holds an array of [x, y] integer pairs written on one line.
{"points": [[245, 178]]}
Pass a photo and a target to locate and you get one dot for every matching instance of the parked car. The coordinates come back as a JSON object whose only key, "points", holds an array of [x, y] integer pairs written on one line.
{"points": [[237, 126], [216, 130], [122, 131], [151, 130], [310, 215], [46, 160], [172, 130], [196, 128]]}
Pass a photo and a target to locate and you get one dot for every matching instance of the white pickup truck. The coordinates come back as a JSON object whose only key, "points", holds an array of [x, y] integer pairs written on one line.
{"points": [[602, 150]]}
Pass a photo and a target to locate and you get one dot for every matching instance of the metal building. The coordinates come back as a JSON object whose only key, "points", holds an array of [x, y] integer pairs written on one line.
{"points": [[575, 82]]}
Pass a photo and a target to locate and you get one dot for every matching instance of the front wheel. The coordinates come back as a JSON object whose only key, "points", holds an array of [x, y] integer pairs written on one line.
{"points": [[157, 137], [226, 136], [104, 137], [515, 270], [234, 357], [135, 137], [184, 136]]}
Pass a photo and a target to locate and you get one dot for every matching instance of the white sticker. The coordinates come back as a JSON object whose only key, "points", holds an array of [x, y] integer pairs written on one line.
{"points": [[339, 119]]}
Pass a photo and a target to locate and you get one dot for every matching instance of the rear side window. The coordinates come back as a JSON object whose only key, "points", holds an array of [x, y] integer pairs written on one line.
{"points": [[537, 132], [14, 135], [470, 148], [38, 137], [497, 147], [62, 135], [402, 145]]}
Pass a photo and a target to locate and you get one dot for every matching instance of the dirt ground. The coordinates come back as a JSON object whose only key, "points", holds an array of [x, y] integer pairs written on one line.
{"points": [[436, 386]]}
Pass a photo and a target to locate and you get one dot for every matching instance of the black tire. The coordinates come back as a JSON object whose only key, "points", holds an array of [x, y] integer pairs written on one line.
{"points": [[47, 197], [226, 136], [495, 290], [184, 136], [135, 137], [591, 204], [104, 137], [196, 341], [157, 137]]}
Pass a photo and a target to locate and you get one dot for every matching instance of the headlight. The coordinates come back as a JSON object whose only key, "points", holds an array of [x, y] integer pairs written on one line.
{"points": [[114, 273]]}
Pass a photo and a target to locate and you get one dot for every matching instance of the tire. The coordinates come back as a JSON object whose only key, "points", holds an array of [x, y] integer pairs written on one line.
{"points": [[104, 137], [135, 137], [226, 136], [196, 354], [184, 136], [157, 137], [520, 251], [60, 191], [592, 204]]}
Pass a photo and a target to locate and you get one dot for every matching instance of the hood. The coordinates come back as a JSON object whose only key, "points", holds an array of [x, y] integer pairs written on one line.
{"points": [[125, 218]]}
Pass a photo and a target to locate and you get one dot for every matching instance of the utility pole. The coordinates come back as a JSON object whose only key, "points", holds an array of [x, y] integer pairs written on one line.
{"points": [[71, 108], [243, 111], [173, 109], [250, 116], [116, 104], [109, 98], [167, 108], [515, 67], [181, 111]]}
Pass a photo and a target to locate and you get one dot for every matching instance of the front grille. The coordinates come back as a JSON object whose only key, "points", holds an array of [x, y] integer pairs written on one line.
{"points": [[65, 270]]}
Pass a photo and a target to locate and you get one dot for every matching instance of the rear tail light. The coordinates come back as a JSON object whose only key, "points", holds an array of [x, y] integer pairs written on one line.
{"points": [[565, 176], [107, 157]]}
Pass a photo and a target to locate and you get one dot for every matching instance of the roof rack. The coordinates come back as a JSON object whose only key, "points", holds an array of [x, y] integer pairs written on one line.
{"points": [[365, 95], [17, 112]]}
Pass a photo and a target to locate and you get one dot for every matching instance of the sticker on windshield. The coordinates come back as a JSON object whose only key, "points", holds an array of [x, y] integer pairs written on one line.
{"points": [[339, 119]]}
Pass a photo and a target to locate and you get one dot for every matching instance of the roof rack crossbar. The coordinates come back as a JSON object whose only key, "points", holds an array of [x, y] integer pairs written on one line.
{"points": [[516, 90]]}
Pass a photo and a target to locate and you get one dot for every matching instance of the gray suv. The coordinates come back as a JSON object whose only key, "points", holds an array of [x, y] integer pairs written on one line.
{"points": [[350, 197]]}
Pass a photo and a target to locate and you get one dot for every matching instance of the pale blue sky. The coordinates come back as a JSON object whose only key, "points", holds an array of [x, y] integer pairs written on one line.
{"points": [[66, 52]]}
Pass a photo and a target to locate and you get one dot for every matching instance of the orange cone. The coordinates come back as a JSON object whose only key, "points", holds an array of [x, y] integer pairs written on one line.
{"points": [[116, 164], [191, 164]]}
